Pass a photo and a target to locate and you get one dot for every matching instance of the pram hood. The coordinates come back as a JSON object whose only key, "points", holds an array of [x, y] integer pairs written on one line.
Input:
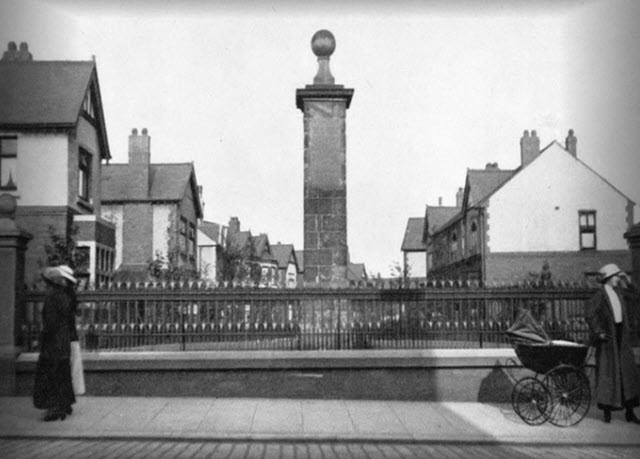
{"points": [[527, 329]]}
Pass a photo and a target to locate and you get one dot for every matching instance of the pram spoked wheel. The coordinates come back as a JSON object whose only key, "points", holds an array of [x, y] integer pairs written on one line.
{"points": [[531, 399], [570, 395]]}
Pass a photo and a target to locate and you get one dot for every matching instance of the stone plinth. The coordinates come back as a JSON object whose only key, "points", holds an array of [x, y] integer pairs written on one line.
{"points": [[13, 244], [324, 105]]}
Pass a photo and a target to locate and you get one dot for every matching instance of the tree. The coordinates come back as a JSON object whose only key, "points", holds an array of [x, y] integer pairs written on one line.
{"points": [[63, 250], [240, 264], [168, 268], [401, 272]]}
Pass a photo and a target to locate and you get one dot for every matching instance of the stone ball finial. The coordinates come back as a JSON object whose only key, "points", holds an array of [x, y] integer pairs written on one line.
{"points": [[323, 43], [8, 205]]}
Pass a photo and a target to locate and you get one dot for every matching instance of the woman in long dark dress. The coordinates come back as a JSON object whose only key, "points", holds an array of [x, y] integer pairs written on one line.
{"points": [[53, 389]]}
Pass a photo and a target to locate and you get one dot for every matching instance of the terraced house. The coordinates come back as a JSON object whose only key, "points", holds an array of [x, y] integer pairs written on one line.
{"points": [[553, 210], [52, 143]]}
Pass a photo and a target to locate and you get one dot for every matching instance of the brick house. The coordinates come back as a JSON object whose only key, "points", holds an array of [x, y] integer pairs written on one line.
{"points": [[212, 239], [288, 267], [155, 209], [552, 210], [52, 143]]}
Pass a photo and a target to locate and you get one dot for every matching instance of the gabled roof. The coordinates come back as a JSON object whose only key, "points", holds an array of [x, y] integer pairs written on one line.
{"points": [[413, 235], [239, 240], [356, 272], [438, 216], [283, 253], [212, 231], [48, 95], [262, 247], [483, 182], [167, 182]]}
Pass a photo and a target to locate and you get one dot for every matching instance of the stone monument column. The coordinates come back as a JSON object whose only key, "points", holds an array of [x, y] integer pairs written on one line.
{"points": [[324, 104], [13, 244]]}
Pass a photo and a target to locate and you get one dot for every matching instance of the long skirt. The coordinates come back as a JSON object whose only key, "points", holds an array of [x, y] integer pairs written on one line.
{"points": [[52, 387]]}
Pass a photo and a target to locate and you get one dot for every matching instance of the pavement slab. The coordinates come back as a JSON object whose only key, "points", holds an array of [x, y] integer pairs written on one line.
{"points": [[229, 420]]}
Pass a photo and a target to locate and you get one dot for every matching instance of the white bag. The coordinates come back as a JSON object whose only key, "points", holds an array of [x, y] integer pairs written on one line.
{"points": [[77, 370]]}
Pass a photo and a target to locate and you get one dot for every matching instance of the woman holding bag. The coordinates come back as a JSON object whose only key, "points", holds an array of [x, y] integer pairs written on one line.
{"points": [[53, 388], [77, 370]]}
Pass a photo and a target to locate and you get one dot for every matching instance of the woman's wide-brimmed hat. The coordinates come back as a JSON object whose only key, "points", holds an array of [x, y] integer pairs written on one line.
{"points": [[58, 274], [608, 271]]}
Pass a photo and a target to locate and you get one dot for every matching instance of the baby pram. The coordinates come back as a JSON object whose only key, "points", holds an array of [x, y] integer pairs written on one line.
{"points": [[559, 391]]}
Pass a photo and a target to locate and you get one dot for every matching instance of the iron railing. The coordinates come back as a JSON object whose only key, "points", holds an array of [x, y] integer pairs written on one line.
{"points": [[198, 317]]}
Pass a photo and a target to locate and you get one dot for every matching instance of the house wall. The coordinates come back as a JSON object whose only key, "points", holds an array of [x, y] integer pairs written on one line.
{"points": [[162, 227], [137, 227], [37, 220], [42, 177], [537, 210], [86, 137], [291, 276], [114, 214], [416, 264], [563, 266]]}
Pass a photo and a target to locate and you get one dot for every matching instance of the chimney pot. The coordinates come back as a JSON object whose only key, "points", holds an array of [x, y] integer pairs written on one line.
{"points": [[571, 144], [144, 131], [134, 131], [529, 147], [440, 201], [459, 197]]}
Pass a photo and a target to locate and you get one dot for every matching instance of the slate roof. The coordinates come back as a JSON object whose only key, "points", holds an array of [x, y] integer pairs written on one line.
{"points": [[413, 235], [167, 182], [483, 182], [211, 230], [356, 272], [47, 94], [282, 254], [439, 216]]}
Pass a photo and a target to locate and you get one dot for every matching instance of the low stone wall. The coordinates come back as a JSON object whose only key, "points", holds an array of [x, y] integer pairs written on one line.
{"points": [[485, 375]]}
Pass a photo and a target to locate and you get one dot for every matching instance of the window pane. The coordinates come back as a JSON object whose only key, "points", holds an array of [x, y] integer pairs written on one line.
{"points": [[591, 219], [8, 172], [587, 240], [583, 220], [9, 146]]}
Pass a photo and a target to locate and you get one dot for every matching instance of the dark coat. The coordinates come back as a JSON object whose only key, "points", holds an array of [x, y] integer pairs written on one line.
{"points": [[616, 369], [52, 385]]}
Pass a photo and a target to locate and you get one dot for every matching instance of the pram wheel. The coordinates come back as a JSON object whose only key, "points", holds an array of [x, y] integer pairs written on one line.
{"points": [[570, 395], [530, 399]]}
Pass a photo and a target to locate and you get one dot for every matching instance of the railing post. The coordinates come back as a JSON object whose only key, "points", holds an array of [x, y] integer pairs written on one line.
{"points": [[13, 244]]}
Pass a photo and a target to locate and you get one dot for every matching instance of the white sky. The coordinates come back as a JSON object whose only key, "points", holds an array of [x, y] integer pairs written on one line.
{"points": [[439, 87]]}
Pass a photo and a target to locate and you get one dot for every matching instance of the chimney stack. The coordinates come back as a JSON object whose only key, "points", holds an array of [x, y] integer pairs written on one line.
{"points": [[459, 197], [234, 227], [529, 147], [139, 163], [571, 144]]}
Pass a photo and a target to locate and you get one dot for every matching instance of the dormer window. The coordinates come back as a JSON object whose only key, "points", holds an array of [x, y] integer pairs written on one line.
{"points": [[8, 163]]}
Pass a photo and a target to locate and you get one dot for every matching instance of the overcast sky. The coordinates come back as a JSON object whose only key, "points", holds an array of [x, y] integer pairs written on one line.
{"points": [[439, 87]]}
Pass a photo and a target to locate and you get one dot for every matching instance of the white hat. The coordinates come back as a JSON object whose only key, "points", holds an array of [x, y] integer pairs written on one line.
{"points": [[608, 271], [57, 274], [67, 273]]}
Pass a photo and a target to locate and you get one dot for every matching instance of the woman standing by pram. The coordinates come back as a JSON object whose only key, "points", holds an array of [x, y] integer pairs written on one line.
{"points": [[617, 378]]}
